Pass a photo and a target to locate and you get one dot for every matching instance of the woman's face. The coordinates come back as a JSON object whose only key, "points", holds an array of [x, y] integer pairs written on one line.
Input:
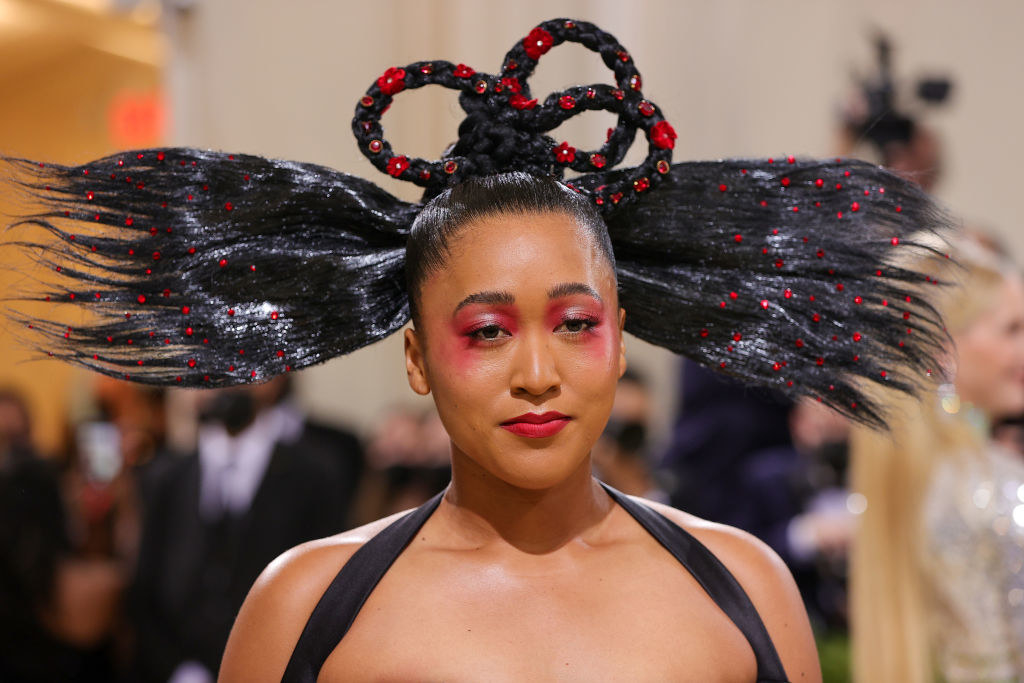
{"points": [[520, 342], [990, 355]]}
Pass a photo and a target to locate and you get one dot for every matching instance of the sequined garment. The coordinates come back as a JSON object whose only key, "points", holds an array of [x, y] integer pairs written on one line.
{"points": [[974, 526]]}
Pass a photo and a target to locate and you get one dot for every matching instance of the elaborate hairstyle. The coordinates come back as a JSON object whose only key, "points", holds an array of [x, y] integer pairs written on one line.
{"points": [[204, 268]]}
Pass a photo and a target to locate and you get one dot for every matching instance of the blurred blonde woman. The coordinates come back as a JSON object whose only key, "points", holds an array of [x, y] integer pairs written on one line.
{"points": [[937, 587]]}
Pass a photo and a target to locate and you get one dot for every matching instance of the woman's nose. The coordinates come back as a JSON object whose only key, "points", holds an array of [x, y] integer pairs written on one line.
{"points": [[535, 370]]}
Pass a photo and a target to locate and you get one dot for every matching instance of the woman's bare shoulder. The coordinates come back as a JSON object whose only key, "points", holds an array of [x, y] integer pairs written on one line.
{"points": [[726, 542], [767, 581], [278, 605]]}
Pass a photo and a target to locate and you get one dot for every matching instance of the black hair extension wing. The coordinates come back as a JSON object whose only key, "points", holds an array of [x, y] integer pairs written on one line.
{"points": [[208, 269], [786, 273]]}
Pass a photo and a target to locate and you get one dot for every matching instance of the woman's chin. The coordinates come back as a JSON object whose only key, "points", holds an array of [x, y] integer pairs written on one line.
{"points": [[537, 469]]}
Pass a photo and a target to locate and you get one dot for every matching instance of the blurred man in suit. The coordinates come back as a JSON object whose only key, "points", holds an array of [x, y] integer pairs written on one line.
{"points": [[262, 479]]}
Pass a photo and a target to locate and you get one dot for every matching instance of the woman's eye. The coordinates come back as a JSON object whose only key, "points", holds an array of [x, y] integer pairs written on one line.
{"points": [[577, 325], [488, 332]]}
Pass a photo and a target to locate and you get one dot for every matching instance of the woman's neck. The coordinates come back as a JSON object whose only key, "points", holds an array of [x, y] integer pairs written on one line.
{"points": [[536, 521]]}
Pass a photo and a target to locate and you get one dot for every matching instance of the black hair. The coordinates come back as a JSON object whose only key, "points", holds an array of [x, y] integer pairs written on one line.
{"points": [[202, 268], [210, 269], [503, 194]]}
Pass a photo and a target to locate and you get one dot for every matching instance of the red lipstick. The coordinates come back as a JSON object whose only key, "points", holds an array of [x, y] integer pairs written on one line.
{"points": [[537, 425]]}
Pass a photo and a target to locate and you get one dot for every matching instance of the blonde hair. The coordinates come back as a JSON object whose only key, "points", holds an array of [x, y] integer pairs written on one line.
{"points": [[890, 599]]}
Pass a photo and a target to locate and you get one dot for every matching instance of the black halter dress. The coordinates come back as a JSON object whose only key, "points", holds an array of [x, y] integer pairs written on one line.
{"points": [[337, 609]]}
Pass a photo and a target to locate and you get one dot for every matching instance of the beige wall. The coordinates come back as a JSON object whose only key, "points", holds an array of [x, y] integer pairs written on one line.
{"points": [[735, 77]]}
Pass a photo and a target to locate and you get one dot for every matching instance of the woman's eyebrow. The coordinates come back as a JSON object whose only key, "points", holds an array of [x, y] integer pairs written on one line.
{"points": [[567, 288], [502, 298]]}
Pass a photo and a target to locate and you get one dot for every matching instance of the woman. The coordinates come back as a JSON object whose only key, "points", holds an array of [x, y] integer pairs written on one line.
{"points": [[213, 269], [518, 337], [936, 581]]}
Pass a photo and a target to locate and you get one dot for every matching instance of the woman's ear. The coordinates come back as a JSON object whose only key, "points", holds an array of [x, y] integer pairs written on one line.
{"points": [[414, 365], [622, 342]]}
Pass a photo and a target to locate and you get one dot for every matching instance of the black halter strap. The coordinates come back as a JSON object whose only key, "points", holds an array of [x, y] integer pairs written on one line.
{"points": [[337, 609], [714, 578], [333, 615]]}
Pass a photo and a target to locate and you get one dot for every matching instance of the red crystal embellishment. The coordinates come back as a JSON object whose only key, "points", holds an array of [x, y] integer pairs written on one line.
{"points": [[511, 83], [663, 136], [565, 153], [397, 165], [521, 102], [392, 81], [537, 43]]}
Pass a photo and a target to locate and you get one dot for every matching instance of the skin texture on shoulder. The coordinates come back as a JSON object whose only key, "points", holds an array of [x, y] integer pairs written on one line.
{"points": [[280, 602], [769, 584]]}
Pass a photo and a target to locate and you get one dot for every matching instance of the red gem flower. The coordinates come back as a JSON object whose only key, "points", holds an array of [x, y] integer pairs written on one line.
{"points": [[564, 153], [463, 71], [567, 102], [538, 42], [663, 135], [392, 82], [520, 102], [511, 83], [397, 165]]}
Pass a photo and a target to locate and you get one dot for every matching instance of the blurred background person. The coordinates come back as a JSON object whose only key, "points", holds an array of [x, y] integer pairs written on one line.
{"points": [[883, 117], [408, 462], [937, 572], [261, 481], [622, 457], [57, 611]]}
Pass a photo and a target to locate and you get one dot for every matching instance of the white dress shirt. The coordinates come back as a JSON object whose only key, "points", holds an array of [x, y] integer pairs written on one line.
{"points": [[231, 468]]}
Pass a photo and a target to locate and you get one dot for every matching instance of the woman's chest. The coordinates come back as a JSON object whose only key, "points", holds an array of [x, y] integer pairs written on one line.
{"points": [[613, 621]]}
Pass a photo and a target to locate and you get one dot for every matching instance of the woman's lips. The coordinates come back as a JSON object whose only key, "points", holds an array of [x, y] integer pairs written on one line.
{"points": [[537, 425]]}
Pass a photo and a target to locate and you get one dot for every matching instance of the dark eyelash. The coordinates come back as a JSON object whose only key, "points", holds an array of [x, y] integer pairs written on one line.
{"points": [[589, 322], [477, 333]]}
